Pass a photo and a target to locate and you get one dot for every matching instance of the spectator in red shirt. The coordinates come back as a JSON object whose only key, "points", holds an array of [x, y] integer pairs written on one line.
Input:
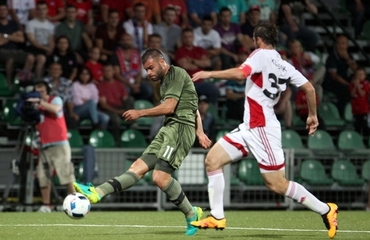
{"points": [[113, 99], [56, 9], [194, 59], [360, 92], [123, 7], [153, 11], [94, 66], [181, 11]]}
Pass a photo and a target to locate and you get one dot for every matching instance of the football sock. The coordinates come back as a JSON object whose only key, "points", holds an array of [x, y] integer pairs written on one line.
{"points": [[300, 194], [120, 183], [216, 186], [175, 194]]}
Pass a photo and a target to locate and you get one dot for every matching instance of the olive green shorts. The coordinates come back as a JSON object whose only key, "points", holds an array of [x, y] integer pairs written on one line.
{"points": [[171, 144]]}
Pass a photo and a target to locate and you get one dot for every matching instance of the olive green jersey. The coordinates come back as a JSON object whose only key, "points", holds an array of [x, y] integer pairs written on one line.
{"points": [[177, 84]]}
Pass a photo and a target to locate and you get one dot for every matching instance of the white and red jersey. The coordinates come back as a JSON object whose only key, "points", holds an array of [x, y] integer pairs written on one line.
{"points": [[269, 76]]}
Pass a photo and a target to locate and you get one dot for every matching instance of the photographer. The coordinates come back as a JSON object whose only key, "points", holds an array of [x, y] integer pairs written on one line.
{"points": [[55, 151]]}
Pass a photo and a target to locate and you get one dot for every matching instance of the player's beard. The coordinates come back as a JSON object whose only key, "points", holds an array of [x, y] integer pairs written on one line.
{"points": [[159, 75]]}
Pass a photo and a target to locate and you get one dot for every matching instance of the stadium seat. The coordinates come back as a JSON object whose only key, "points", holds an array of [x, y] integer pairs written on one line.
{"points": [[344, 172], [143, 104], [296, 120], [291, 139], [352, 143], [132, 138], [330, 114], [365, 34], [313, 172], [5, 91], [348, 116], [365, 171], [101, 139], [219, 120], [322, 143], [9, 115], [249, 172], [75, 138]]}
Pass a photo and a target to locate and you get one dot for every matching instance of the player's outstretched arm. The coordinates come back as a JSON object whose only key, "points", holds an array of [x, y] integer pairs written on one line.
{"points": [[229, 74], [203, 139], [312, 123]]}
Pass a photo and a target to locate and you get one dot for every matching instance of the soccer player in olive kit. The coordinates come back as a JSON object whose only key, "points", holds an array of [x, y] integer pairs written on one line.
{"points": [[182, 123]]}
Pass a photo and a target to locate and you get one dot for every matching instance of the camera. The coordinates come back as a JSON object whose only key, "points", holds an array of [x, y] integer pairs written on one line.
{"points": [[27, 110]]}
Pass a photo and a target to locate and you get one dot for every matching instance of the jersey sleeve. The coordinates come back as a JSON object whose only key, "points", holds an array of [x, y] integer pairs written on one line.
{"points": [[58, 101], [253, 63], [296, 78]]}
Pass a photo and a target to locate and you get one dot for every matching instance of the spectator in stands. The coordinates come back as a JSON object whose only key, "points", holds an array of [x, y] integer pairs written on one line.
{"points": [[63, 54], [152, 10], [76, 33], [40, 35], [283, 108], [360, 11], [360, 95], [56, 11], [169, 31], [231, 39], [55, 151], [197, 9], [114, 100], [85, 99], [193, 59], [235, 98], [10, 54], [290, 22], [62, 87], [181, 9], [127, 69], [85, 13], [238, 8], [268, 9], [254, 17], [94, 66], [338, 63], [138, 27], [208, 120], [122, 7], [108, 35], [209, 39], [21, 11], [308, 63]]}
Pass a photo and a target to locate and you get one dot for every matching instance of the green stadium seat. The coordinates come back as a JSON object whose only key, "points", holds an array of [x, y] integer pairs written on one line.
{"points": [[249, 172], [348, 116], [291, 139], [9, 115], [365, 171], [143, 104], [352, 143], [322, 143], [101, 139], [5, 90], [75, 138], [132, 138], [330, 114], [313, 172], [296, 120], [344, 172]]}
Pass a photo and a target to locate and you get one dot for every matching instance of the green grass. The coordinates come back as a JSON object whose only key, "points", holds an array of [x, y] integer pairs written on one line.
{"points": [[170, 225]]}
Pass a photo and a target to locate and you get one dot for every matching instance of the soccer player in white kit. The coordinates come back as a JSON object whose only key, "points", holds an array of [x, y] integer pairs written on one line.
{"points": [[260, 133]]}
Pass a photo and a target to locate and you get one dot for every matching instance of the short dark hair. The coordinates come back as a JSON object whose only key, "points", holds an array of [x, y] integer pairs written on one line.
{"points": [[207, 18], [71, 6], [80, 70], [44, 84], [267, 31], [187, 30], [155, 35], [224, 9], [41, 3], [151, 53]]}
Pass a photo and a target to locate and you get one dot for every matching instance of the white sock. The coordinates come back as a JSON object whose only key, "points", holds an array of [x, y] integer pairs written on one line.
{"points": [[216, 186], [300, 194]]}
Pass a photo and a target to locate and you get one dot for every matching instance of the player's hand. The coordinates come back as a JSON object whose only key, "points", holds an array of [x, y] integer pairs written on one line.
{"points": [[200, 75], [204, 141], [131, 115], [311, 124]]}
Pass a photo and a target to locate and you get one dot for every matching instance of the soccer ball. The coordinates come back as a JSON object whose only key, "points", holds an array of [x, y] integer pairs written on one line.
{"points": [[76, 205]]}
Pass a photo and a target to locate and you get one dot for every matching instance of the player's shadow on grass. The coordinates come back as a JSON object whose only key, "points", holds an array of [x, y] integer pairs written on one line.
{"points": [[251, 236]]}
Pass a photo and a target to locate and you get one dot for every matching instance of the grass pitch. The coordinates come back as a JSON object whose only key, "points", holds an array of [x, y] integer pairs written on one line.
{"points": [[138, 225]]}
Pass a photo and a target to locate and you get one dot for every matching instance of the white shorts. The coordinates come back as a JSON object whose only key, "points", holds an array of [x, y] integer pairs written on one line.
{"points": [[263, 142]]}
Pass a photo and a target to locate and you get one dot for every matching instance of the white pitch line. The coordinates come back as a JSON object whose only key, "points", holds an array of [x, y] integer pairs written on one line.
{"points": [[149, 226]]}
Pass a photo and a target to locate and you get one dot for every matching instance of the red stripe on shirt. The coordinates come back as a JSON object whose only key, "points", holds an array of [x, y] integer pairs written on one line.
{"points": [[237, 145], [257, 118], [271, 168]]}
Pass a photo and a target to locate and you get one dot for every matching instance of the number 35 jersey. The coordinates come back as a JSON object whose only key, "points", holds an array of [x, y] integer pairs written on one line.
{"points": [[269, 77]]}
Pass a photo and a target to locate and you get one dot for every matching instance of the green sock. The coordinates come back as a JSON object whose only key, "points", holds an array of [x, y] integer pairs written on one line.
{"points": [[120, 183], [174, 192]]}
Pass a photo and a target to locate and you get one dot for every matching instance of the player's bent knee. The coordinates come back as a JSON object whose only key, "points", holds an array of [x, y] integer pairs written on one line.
{"points": [[161, 178]]}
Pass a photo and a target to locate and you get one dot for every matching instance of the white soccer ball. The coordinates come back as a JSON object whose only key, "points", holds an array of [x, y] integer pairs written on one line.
{"points": [[76, 205]]}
